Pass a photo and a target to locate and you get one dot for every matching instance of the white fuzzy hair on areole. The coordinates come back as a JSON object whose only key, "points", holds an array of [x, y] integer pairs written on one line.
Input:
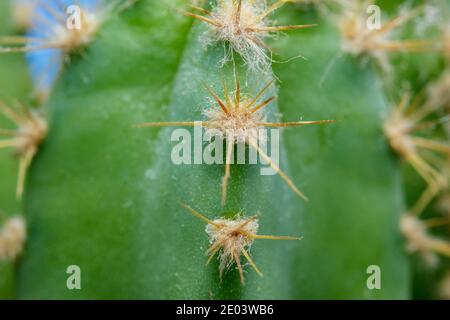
{"points": [[12, 238], [439, 91], [248, 44], [232, 236], [237, 127], [417, 238]]}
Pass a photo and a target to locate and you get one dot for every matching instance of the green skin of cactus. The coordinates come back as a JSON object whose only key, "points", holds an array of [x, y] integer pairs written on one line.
{"points": [[349, 173], [14, 83], [104, 195]]}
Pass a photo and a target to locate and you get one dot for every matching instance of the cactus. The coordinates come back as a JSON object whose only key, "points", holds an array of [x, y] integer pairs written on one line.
{"points": [[355, 175], [14, 84]]}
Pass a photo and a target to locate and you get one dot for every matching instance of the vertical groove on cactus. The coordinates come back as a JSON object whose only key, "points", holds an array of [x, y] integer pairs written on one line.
{"points": [[354, 213], [88, 102]]}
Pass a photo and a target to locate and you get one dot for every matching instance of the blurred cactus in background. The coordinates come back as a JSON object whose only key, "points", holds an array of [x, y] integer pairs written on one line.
{"points": [[92, 92]]}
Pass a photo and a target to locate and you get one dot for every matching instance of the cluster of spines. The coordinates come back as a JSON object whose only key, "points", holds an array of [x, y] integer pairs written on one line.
{"points": [[232, 239]]}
